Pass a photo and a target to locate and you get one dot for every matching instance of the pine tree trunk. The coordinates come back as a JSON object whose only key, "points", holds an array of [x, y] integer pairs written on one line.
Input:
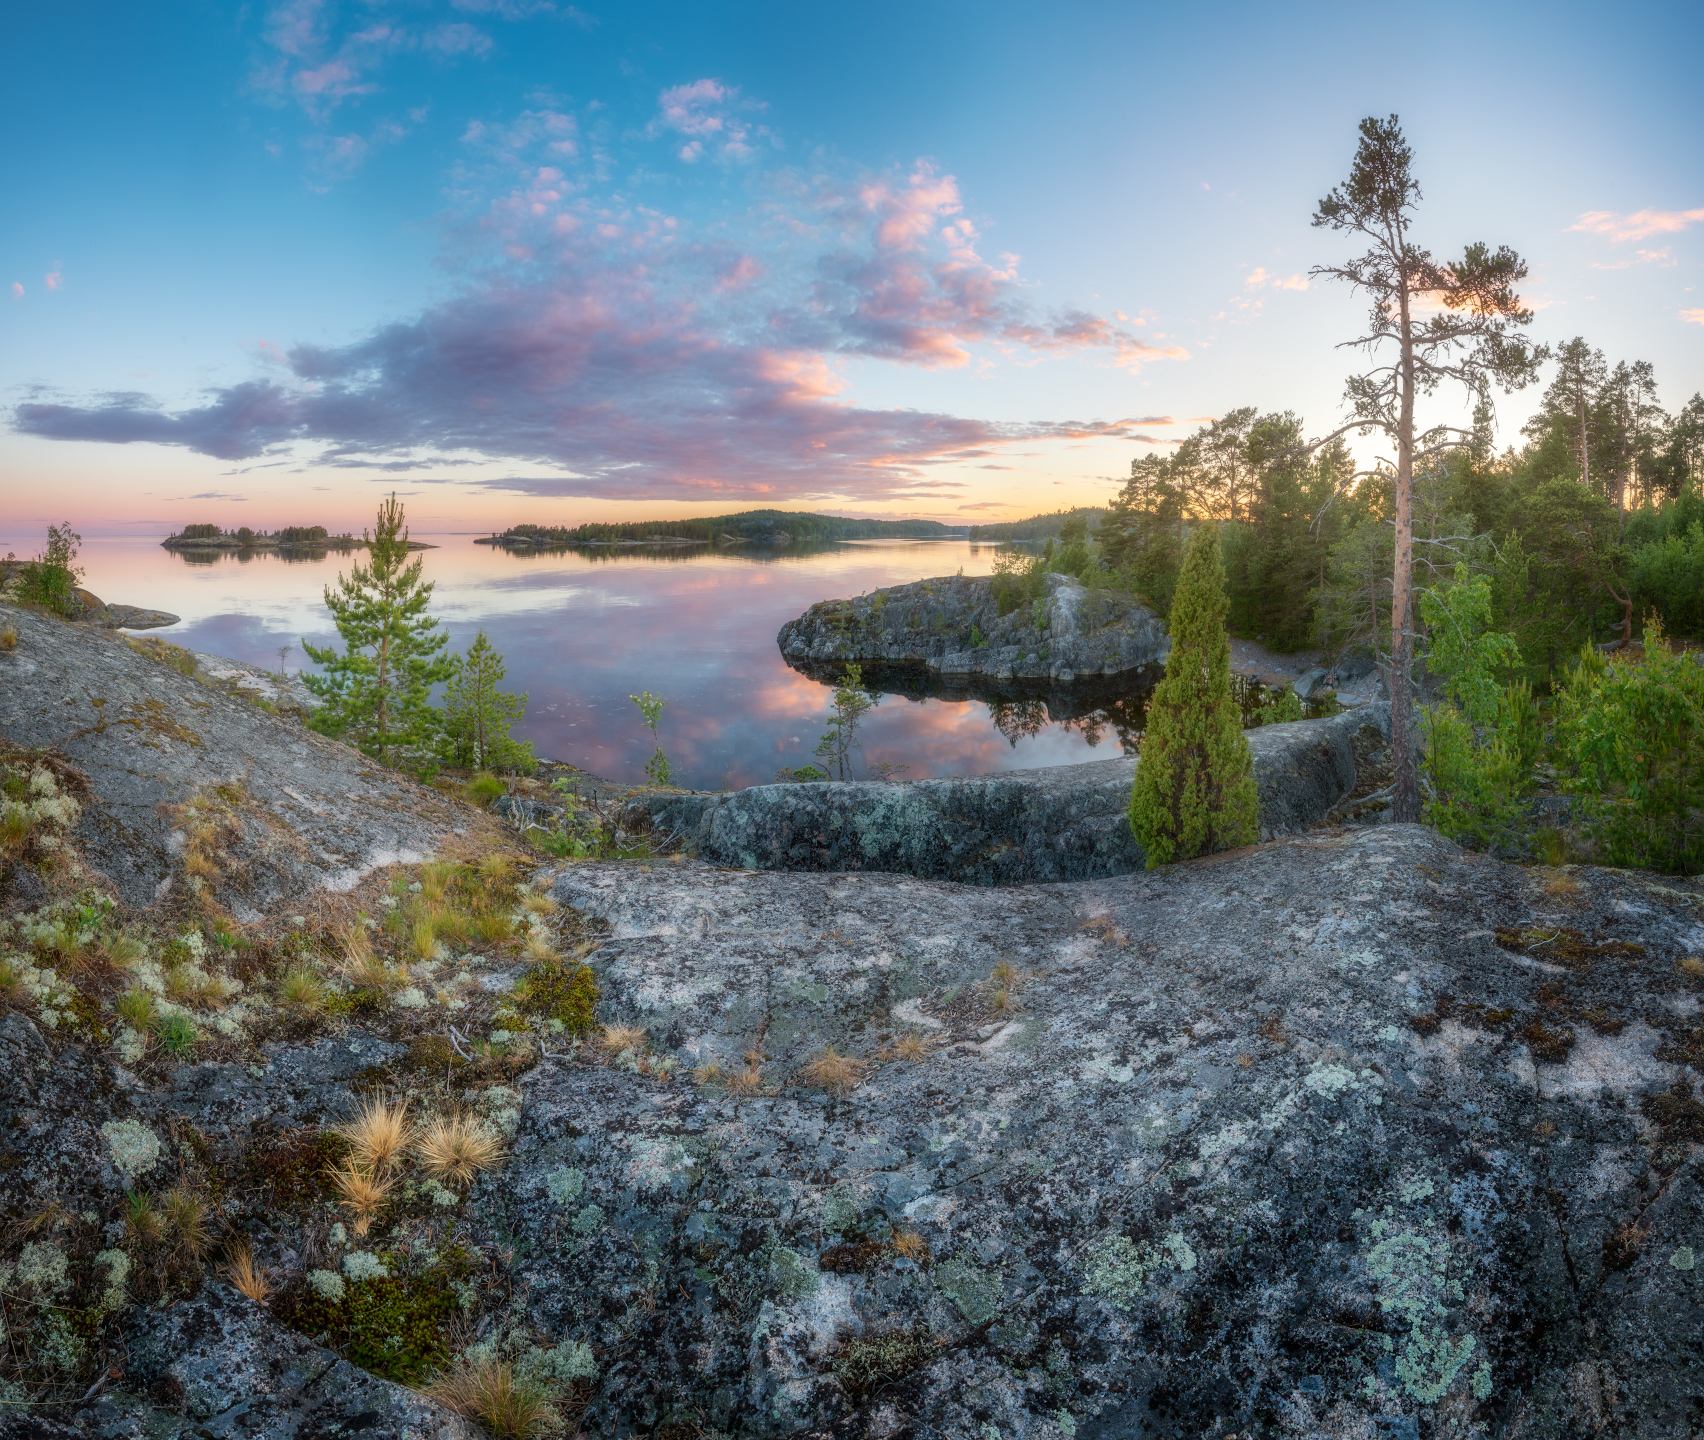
{"points": [[1405, 788]]}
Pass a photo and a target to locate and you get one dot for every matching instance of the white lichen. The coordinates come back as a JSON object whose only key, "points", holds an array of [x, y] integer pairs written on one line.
{"points": [[135, 1148], [327, 1284], [564, 1184], [364, 1265]]}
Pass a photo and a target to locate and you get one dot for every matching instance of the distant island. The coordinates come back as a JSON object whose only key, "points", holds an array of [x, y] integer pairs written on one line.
{"points": [[749, 527], [1037, 527], [291, 537]]}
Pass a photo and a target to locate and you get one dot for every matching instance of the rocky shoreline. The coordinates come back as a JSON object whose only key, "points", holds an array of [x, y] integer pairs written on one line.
{"points": [[1349, 1134]]}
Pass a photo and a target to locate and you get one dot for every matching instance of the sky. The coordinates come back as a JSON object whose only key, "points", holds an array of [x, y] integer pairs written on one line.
{"points": [[518, 260]]}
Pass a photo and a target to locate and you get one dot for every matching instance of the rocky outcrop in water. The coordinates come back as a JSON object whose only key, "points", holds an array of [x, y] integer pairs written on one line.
{"points": [[952, 627], [1064, 822]]}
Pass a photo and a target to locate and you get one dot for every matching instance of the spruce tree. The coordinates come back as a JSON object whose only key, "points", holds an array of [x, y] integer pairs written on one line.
{"points": [[477, 713], [378, 691], [1194, 790]]}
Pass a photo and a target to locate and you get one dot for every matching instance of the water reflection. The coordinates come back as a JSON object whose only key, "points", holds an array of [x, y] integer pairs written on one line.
{"points": [[585, 627]]}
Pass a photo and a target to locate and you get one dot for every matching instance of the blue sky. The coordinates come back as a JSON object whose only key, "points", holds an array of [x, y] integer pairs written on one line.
{"points": [[530, 261]]}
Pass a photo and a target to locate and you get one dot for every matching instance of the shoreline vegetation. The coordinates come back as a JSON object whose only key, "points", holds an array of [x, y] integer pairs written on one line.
{"points": [[748, 527], [291, 537]]}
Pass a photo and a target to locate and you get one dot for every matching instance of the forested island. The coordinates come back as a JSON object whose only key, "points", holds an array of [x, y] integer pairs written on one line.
{"points": [[748, 527], [291, 537]]}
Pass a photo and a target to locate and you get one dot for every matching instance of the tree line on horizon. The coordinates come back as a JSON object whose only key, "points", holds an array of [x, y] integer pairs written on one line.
{"points": [[746, 525]]}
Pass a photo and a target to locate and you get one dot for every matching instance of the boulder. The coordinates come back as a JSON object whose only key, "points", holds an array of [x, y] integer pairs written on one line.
{"points": [[951, 627], [1063, 822], [1309, 683]]}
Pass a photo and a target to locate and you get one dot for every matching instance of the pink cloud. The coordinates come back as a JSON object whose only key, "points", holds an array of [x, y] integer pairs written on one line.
{"points": [[707, 112], [1259, 278], [53, 280], [1695, 317], [17, 290], [1640, 225]]}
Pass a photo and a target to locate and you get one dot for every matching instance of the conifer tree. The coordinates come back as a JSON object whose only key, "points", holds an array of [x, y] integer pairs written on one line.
{"points": [[478, 714], [1194, 790], [378, 691]]}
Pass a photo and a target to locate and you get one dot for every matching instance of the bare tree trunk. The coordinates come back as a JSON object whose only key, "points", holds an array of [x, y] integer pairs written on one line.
{"points": [[1405, 787]]}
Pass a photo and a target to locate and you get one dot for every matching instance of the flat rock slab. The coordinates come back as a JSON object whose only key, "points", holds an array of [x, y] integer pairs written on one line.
{"points": [[1258, 1146], [1063, 822], [293, 811]]}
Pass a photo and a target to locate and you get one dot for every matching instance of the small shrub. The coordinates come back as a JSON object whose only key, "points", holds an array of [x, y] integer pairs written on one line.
{"points": [[484, 788]]}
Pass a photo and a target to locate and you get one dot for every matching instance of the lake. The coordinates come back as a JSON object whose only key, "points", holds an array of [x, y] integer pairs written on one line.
{"points": [[583, 629]]}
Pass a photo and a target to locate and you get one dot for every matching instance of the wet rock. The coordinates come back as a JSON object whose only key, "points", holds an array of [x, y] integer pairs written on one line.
{"points": [[293, 811], [952, 627], [1063, 822]]}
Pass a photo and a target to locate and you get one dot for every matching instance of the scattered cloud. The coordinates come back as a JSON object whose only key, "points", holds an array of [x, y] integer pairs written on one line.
{"points": [[709, 114], [986, 505], [53, 280], [17, 290], [1259, 278], [1640, 225], [615, 350], [1695, 317], [1640, 257]]}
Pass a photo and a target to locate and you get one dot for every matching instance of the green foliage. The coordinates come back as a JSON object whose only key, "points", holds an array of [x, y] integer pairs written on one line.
{"points": [[1477, 779], [1287, 707], [1036, 527], [560, 990], [199, 532], [790, 774], [1465, 652], [378, 691], [393, 1325], [851, 704], [1194, 790], [1630, 734], [477, 714], [657, 769], [1017, 580], [484, 788], [759, 524], [1668, 577], [50, 579], [176, 1033]]}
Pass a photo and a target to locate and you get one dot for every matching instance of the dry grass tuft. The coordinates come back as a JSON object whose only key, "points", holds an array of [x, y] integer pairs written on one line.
{"points": [[538, 902], [1693, 965], [457, 1147], [613, 1040], [8, 636], [831, 1071], [123, 949], [539, 948], [745, 1082], [1558, 883], [913, 1045], [508, 1405], [301, 989], [1007, 977], [709, 1073], [379, 1133], [493, 927], [244, 1278], [364, 1193], [495, 869], [186, 1218], [142, 1220], [910, 1245]]}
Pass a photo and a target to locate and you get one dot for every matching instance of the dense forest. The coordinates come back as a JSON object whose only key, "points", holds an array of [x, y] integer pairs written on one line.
{"points": [[761, 526], [1590, 525], [1037, 527]]}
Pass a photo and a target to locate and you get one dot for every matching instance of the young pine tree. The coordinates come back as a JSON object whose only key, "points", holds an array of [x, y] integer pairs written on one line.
{"points": [[478, 714], [378, 691], [1194, 790]]}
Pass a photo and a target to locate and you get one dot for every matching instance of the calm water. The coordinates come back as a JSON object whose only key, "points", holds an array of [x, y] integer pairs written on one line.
{"points": [[584, 629]]}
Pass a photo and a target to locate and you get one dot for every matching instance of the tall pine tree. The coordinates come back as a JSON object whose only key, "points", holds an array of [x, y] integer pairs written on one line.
{"points": [[377, 693], [1194, 790]]}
